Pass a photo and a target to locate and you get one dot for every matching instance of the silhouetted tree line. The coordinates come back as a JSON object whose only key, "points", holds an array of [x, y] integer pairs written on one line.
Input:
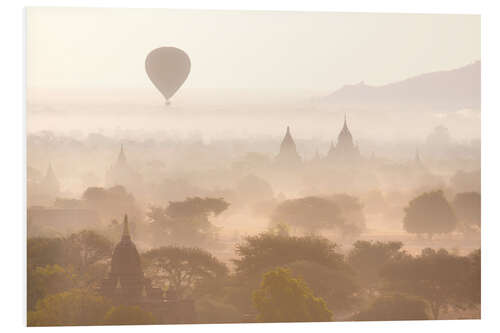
{"points": [[431, 213], [372, 281], [276, 277]]}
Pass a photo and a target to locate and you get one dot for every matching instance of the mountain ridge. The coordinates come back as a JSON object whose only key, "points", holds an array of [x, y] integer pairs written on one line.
{"points": [[458, 88]]}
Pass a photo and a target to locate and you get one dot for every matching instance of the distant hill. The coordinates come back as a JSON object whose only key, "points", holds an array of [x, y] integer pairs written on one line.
{"points": [[446, 90]]}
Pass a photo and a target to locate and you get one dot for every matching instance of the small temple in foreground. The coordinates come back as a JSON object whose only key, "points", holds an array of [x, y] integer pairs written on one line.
{"points": [[127, 285]]}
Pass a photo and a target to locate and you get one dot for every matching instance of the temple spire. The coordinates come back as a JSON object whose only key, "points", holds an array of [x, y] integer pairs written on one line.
{"points": [[126, 233], [417, 157], [288, 142], [121, 158]]}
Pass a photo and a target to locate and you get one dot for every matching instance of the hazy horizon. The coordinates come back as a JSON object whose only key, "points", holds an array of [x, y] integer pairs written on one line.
{"points": [[311, 51]]}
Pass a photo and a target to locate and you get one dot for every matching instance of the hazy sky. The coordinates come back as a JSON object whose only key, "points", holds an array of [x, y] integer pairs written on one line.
{"points": [[105, 48]]}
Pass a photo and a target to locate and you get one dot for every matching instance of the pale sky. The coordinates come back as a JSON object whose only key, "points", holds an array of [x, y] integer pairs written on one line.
{"points": [[87, 49]]}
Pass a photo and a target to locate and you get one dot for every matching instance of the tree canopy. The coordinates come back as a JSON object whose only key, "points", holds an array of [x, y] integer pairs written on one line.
{"points": [[184, 270], [45, 280], [128, 315], [368, 257], [429, 213], [439, 277], [187, 222], [75, 307], [341, 212], [310, 214], [283, 298], [467, 206], [264, 251], [112, 202], [336, 286], [395, 307], [83, 253]]}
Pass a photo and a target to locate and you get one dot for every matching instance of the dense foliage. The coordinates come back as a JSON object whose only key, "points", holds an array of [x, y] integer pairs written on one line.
{"points": [[283, 298], [186, 271], [186, 222], [430, 213]]}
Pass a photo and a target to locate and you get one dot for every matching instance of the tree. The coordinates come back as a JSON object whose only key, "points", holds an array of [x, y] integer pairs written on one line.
{"points": [[265, 251], [42, 251], [212, 311], [352, 213], [280, 229], [75, 307], [45, 280], [368, 257], [81, 253], [112, 203], [430, 213], [185, 270], [395, 307], [437, 276], [467, 206], [90, 247], [129, 315], [310, 213], [314, 258], [187, 221], [471, 290], [282, 298], [337, 287]]}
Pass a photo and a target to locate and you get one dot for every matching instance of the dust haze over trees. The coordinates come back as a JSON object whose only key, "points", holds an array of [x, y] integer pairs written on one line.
{"points": [[218, 227], [444, 280], [186, 222], [430, 213], [356, 213]]}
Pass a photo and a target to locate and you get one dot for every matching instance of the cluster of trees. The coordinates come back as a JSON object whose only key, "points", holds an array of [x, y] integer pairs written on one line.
{"points": [[276, 278], [431, 213], [341, 212], [59, 264], [109, 203], [186, 222], [82, 307]]}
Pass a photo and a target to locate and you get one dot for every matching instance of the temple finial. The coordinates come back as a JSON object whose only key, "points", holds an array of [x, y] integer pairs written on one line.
{"points": [[121, 157], [126, 233]]}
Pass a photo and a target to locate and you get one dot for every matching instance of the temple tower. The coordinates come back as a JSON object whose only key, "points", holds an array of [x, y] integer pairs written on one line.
{"points": [[345, 150], [120, 173], [50, 183], [126, 279], [288, 150]]}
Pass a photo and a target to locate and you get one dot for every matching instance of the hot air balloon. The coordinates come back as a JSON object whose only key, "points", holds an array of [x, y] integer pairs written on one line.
{"points": [[167, 68]]}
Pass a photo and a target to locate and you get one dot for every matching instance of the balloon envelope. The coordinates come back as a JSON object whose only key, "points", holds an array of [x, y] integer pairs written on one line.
{"points": [[168, 68]]}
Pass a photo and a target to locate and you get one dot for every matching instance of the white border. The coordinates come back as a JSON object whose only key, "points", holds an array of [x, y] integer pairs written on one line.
{"points": [[12, 120]]}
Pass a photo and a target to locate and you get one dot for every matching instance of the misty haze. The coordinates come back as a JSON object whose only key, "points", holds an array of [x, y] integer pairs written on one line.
{"points": [[335, 154]]}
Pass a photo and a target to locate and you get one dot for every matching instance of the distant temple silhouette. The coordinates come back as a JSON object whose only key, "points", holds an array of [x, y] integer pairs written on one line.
{"points": [[345, 150], [288, 151], [50, 183], [121, 173], [417, 161], [126, 285]]}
